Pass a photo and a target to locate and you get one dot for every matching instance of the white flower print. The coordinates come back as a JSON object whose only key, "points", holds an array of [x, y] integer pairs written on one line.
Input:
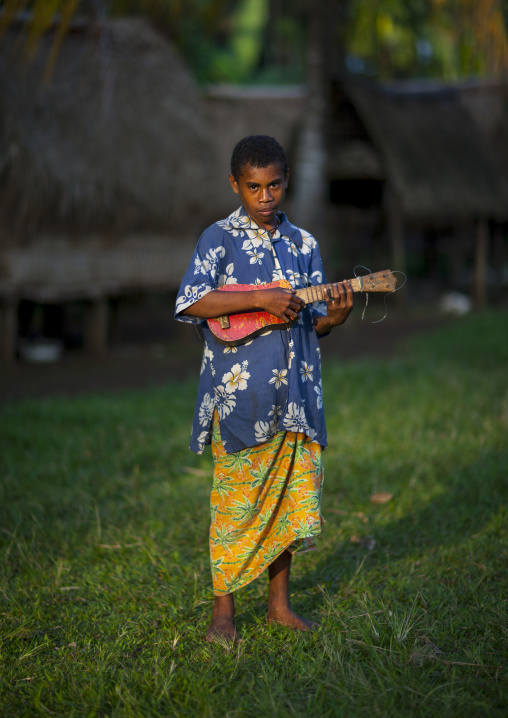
{"points": [[236, 379], [202, 440], [295, 420], [191, 294], [255, 256], [279, 377], [256, 239], [306, 371], [253, 243], [294, 278], [319, 309], [235, 231], [317, 277], [308, 242], [276, 412], [291, 353], [210, 261], [237, 224], [227, 278], [224, 401], [207, 356], [254, 234], [206, 410], [292, 248], [230, 350], [277, 275], [319, 392], [262, 431]]}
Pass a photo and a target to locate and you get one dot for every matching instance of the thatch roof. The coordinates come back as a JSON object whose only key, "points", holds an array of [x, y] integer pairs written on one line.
{"points": [[435, 157], [116, 142], [487, 103]]}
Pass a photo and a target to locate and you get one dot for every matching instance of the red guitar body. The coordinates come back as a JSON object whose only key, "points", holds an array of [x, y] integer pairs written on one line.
{"points": [[243, 327]]}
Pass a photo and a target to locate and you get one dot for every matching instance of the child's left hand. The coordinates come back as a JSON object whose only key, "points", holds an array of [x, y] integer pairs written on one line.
{"points": [[340, 303]]}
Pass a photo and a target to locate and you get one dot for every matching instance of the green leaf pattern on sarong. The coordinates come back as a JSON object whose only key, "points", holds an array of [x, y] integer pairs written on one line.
{"points": [[265, 499]]}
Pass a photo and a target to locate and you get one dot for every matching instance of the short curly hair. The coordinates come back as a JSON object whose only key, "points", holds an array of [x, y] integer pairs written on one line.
{"points": [[257, 151]]}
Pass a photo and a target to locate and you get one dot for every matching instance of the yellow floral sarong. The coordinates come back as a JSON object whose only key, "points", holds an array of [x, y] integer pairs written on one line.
{"points": [[265, 499]]}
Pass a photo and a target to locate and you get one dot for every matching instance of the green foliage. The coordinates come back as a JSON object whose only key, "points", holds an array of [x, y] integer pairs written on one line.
{"points": [[104, 568], [265, 40], [220, 39], [444, 39]]}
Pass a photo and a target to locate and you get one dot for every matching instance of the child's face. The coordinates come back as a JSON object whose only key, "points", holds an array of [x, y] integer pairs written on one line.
{"points": [[261, 190]]}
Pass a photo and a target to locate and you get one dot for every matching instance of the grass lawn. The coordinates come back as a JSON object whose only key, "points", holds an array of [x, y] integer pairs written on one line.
{"points": [[105, 589]]}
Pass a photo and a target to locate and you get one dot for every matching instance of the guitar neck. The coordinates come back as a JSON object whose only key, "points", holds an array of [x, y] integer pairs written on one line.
{"points": [[384, 281], [319, 293]]}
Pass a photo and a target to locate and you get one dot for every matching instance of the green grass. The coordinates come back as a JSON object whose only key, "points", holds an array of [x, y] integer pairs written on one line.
{"points": [[105, 587]]}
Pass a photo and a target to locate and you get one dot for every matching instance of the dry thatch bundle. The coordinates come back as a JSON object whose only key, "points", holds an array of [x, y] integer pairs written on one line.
{"points": [[116, 143]]}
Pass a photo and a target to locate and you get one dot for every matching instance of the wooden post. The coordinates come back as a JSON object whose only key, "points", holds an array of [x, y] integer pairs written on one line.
{"points": [[96, 326], [8, 329], [480, 265], [309, 184], [395, 234], [456, 257]]}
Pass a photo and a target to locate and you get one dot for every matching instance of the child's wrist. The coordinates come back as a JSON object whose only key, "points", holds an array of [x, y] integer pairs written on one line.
{"points": [[322, 325]]}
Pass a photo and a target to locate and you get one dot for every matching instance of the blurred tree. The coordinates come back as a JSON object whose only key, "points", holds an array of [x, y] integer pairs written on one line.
{"points": [[479, 34], [446, 39], [220, 39], [267, 40]]}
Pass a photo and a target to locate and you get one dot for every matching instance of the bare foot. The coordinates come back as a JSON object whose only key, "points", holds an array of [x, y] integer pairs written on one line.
{"points": [[223, 628], [287, 617]]}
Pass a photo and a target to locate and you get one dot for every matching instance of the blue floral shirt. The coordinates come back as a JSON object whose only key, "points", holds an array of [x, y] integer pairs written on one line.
{"points": [[273, 382]]}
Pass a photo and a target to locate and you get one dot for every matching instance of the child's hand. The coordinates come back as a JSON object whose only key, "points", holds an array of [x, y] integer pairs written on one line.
{"points": [[283, 303], [339, 303]]}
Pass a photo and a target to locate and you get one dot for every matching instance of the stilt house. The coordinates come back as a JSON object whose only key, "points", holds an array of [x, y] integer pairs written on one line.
{"points": [[425, 166], [106, 171]]}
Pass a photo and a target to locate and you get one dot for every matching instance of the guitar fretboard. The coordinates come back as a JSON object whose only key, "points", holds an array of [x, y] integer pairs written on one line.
{"points": [[319, 293]]}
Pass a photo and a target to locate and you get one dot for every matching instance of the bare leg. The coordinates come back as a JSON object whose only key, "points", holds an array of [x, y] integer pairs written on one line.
{"points": [[223, 619], [279, 610]]}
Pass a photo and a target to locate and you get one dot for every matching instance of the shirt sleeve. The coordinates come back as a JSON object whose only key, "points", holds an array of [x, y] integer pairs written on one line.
{"points": [[202, 273]]}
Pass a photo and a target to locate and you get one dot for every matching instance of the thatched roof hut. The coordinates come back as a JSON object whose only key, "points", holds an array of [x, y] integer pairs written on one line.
{"points": [[116, 142], [107, 172], [487, 104], [435, 157]]}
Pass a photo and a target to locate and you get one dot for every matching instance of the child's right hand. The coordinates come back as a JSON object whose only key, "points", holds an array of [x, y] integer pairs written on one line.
{"points": [[282, 303]]}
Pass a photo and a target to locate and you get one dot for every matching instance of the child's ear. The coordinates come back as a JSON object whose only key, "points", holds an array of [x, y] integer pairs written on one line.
{"points": [[286, 180], [234, 184]]}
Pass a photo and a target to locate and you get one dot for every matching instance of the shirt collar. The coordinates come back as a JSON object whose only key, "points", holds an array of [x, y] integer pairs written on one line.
{"points": [[239, 219]]}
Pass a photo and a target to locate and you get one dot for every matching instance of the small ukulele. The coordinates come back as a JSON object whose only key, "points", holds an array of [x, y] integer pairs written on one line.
{"points": [[237, 329]]}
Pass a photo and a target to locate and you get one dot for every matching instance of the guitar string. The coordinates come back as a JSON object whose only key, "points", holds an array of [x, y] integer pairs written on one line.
{"points": [[358, 266], [385, 296], [395, 271]]}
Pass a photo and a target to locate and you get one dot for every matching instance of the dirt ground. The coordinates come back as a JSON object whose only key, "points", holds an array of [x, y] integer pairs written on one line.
{"points": [[153, 350]]}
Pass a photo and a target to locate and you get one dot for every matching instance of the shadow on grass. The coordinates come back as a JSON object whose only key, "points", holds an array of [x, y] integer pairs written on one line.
{"points": [[456, 531]]}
